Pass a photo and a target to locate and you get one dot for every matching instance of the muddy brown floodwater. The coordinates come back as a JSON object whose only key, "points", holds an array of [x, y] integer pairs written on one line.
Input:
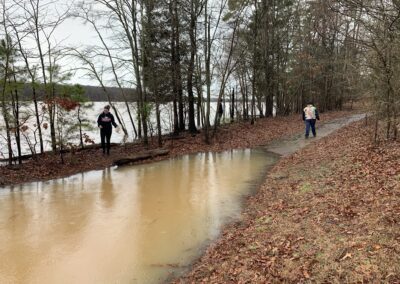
{"points": [[130, 225], [139, 224]]}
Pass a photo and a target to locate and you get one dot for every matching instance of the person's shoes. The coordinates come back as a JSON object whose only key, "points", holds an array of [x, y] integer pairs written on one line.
{"points": [[306, 137]]}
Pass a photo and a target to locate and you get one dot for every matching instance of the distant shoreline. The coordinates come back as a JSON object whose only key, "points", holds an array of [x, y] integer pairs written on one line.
{"points": [[98, 94]]}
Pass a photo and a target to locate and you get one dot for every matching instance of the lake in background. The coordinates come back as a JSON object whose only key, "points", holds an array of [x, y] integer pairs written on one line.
{"points": [[92, 131]]}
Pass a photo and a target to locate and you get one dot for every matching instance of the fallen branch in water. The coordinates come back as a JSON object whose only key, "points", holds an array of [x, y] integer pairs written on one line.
{"points": [[140, 157]]}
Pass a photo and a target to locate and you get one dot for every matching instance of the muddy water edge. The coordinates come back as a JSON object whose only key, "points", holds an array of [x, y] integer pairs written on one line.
{"points": [[138, 224]]}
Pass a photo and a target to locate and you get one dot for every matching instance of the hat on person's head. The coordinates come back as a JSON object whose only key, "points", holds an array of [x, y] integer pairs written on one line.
{"points": [[107, 107]]}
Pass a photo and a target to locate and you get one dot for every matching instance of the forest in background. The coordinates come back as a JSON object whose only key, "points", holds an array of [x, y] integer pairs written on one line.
{"points": [[260, 56]]}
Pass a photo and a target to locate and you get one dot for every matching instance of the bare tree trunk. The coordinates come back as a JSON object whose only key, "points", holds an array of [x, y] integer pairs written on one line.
{"points": [[81, 144], [158, 118], [142, 96], [193, 51], [232, 106], [16, 112], [7, 121], [253, 80], [6, 113], [199, 88], [207, 54], [6, 64], [174, 82]]}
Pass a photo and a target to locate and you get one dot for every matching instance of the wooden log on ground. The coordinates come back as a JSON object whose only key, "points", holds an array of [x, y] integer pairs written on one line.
{"points": [[141, 157], [95, 146]]}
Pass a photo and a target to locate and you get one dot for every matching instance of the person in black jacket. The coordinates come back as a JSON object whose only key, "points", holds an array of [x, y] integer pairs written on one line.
{"points": [[105, 123]]}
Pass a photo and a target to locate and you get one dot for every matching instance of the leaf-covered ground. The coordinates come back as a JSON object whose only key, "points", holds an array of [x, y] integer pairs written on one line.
{"points": [[329, 213], [234, 136]]}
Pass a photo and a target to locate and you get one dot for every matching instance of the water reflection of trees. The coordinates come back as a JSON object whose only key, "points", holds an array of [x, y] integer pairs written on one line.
{"points": [[184, 201]]}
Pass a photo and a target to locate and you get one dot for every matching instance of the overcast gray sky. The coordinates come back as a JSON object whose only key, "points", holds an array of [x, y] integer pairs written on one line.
{"points": [[73, 32]]}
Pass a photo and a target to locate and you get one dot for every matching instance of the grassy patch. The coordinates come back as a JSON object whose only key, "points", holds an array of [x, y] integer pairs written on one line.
{"points": [[306, 188]]}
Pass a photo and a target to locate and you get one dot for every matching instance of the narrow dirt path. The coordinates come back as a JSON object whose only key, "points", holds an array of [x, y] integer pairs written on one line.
{"points": [[289, 146]]}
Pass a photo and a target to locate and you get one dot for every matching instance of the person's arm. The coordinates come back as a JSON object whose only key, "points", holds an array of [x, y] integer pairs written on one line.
{"points": [[316, 114], [304, 115], [99, 121], [113, 120]]}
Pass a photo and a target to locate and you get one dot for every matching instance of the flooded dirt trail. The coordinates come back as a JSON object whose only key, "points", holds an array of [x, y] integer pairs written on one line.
{"points": [[289, 146], [138, 224], [129, 225]]}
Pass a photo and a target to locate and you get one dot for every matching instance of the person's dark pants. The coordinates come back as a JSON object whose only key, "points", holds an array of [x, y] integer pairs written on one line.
{"points": [[105, 135], [310, 123]]}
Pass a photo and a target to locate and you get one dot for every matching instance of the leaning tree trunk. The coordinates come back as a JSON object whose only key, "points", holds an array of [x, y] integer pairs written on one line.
{"points": [[16, 110]]}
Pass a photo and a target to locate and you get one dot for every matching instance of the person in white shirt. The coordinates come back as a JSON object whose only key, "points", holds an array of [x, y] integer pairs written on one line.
{"points": [[310, 117]]}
